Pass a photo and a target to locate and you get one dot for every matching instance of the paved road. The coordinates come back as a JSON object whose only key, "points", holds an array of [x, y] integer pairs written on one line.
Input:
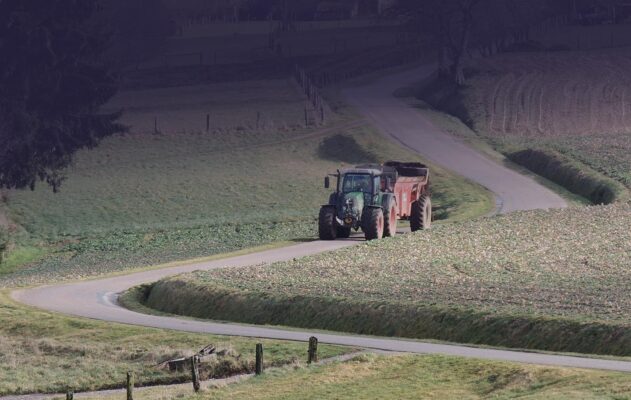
{"points": [[97, 299], [513, 191]]}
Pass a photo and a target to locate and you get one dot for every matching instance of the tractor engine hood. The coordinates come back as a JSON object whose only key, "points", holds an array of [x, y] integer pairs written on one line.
{"points": [[350, 205]]}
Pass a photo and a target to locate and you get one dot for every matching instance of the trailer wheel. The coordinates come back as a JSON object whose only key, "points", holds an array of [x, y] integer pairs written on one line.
{"points": [[343, 232], [373, 228], [421, 214], [326, 224], [390, 221]]}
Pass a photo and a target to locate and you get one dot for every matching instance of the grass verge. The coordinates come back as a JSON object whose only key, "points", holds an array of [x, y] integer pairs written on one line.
{"points": [[414, 377], [525, 280], [577, 178], [42, 352]]}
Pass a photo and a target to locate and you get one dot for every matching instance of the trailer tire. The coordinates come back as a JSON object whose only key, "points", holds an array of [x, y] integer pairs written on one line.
{"points": [[390, 221], [326, 224], [374, 223], [421, 214], [343, 232]]}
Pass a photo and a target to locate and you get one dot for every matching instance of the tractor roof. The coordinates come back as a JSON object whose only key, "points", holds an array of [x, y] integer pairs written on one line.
{"points": [[371, 171]]}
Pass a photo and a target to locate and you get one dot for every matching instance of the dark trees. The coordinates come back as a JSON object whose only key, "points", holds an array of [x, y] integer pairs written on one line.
{"points": [[52, 84]]}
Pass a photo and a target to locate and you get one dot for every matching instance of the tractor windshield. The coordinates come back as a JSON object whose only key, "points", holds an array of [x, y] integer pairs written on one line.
{"points": [[357, 183]]}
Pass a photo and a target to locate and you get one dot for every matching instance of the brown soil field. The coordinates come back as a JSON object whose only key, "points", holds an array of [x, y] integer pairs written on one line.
{"points": [[551, 93]]}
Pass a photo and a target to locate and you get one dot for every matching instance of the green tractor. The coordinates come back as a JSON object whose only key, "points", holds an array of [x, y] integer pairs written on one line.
{"points": [[373, 198]]}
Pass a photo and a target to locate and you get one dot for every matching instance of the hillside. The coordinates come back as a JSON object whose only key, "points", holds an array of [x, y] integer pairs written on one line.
{"points": [[255, 177], [566, 120], [551, 93], [523, 280]]}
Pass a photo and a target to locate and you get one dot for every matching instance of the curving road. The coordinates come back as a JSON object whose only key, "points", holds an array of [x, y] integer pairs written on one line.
{"points": [[513, 191], [97, 299]]}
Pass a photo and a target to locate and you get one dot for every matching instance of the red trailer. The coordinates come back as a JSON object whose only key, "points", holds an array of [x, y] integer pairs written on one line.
{"points": [[409, 182]]}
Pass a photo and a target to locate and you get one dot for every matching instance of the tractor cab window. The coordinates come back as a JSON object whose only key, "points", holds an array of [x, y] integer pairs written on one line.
{"points": [[357, 183]]}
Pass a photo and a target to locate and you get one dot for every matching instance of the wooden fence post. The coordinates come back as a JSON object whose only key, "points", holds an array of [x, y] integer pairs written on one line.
{"points": [[207, 123], [195, 374], [69, 395], [130, 386], [258, 366], [313, 350]]}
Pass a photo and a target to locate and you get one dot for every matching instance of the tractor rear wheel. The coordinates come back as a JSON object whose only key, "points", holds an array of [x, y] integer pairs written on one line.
{"points": [[373, 226], [343, 232], [390, 221], [421, 215], [326, 224]]}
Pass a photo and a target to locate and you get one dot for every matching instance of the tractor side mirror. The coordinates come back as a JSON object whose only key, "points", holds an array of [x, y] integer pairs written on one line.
{"points": [[327, 182]]}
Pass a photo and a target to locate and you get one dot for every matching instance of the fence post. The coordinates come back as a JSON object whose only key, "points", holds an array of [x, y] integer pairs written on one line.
{"points": [[258, 366], [195, 374], [207, 123], [70, 395], [130, 386], [313, 350], [155, 125]]}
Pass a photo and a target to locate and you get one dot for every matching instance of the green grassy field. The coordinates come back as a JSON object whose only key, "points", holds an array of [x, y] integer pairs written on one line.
{"points": [[42, 352], [144, 199], [548, 280], [414, 377]]}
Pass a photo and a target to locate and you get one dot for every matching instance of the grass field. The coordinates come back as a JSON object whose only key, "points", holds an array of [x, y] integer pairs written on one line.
{"points": [[144, 199], [549, 280], [43, 352], [414, 377]]}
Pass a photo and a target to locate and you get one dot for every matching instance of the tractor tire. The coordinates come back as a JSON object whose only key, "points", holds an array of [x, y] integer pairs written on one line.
{"points": [[390, 221], [343, 232], [421, 215], [374, 223], [326, 224]]}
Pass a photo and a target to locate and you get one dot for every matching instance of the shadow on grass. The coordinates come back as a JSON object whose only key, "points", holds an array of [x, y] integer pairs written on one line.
{"points": [[345, 149]]}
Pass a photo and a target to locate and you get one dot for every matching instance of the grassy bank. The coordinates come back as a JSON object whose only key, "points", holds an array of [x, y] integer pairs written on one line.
{"points": [[42, 352], [549, 280], [415, 377], [145, 199]]}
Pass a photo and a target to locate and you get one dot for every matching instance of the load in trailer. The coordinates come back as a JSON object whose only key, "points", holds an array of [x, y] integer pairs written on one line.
{"points": [[374, 197]]}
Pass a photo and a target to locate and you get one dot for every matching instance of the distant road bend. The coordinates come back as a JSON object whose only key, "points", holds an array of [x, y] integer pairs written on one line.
{"points": [[513, 191], [97, 299]]}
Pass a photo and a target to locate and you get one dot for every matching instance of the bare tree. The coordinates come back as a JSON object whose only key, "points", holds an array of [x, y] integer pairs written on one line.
{"points": [[450, 23]]}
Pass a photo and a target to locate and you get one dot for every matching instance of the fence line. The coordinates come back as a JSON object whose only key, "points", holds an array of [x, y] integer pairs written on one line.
{"points": [[316, 108]]}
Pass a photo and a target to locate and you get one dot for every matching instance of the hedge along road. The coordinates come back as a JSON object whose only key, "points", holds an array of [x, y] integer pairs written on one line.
{"points": [[97, 299]]}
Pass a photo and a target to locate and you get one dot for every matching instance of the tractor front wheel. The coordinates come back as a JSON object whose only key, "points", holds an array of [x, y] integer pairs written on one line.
{"points": [[326, 224], [374, 223], [421, 215]]}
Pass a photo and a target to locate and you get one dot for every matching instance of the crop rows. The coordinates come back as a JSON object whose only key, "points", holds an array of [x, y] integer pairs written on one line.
{"points": [[554, 93], [565, 263]]}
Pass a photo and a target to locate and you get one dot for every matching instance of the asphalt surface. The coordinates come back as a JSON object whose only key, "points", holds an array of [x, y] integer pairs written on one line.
{"points": [[97, 299], [403, 124]]}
